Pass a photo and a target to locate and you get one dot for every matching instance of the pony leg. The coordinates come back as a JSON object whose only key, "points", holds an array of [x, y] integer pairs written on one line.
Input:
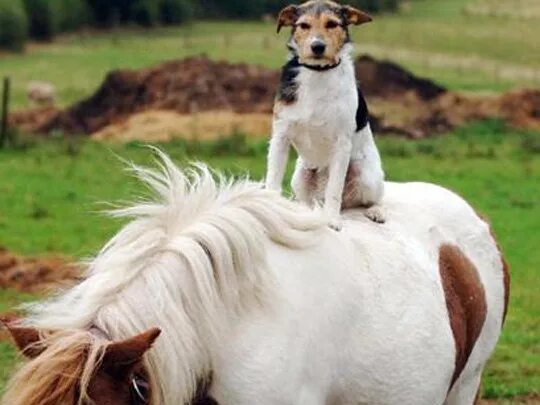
{"points": [[466, 391]]}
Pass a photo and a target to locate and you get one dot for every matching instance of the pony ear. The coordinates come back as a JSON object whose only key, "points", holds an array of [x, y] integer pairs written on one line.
{"points": [[353, 16], [121, 357], [287, 17], [26, 339]]}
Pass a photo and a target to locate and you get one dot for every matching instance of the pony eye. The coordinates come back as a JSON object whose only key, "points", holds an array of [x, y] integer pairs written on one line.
{"points": [[139, 390], [331, 25], [305, 26]]}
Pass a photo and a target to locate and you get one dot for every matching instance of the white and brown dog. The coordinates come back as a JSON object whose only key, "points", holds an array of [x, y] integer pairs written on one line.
{"points": [[320, 110]]}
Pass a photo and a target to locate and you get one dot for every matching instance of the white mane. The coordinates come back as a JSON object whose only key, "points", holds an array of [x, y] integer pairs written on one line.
{"points": [[190, 259]]}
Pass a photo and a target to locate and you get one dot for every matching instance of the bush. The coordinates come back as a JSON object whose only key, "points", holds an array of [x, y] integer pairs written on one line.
{"points": [[13, 25], [145, 12], [375, 6], [73, 15], [43, 18], [175, 11], [231, 8], [256, 8]]}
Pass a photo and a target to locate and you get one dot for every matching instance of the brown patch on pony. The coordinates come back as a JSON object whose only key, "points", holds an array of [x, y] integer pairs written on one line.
{"points": [[465, 301], [505, 266]]}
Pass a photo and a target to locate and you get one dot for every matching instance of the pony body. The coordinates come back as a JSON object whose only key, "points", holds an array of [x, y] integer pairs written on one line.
{"points": [[255, 295]]}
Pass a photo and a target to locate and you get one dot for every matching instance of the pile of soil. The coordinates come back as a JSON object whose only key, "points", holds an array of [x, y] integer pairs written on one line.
{"points": [[399, 102], [35, 275], [189, 86], [387, 80]]}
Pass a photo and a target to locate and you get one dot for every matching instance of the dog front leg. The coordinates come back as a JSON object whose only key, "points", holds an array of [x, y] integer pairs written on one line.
{"points": [[336, 182], [278, 155]]}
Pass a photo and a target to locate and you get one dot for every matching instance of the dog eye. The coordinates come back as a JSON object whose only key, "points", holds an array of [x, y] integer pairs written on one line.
{"points": [[304, 26], [331, 25]]}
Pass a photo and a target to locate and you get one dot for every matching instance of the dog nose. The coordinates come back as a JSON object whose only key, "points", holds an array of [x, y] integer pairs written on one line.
{"points": [[318, 48]]}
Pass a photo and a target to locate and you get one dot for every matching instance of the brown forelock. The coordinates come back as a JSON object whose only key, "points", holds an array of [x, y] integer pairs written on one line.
{"points": [[465, 301], [52, 377], [505, 266], [318, 19]]}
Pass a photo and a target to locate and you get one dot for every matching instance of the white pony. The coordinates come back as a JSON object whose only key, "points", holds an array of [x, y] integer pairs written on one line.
{"points": [[259, 302]]}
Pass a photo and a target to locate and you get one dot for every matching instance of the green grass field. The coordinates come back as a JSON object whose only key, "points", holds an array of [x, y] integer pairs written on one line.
{"points": [[433, 38], [53, 190]]}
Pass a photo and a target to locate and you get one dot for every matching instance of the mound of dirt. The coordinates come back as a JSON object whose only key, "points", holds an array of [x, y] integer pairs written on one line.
{"points": [[190, 86], [163, 125], [197, 85], [35, 275], [387, 79], [521, 108], [130, 102]]}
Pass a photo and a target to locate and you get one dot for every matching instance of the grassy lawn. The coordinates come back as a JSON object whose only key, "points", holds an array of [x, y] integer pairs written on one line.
{"points": [[51, 193], [433, 38]]}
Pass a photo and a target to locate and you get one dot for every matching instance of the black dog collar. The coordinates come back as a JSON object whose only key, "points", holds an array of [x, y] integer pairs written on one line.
{"points": [[318, 68]]}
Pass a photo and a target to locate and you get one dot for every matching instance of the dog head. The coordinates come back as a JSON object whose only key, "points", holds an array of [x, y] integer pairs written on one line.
{"points": [[320, 29]]}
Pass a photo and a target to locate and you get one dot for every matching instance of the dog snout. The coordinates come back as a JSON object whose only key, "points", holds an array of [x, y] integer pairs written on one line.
{"points": [[318, 47]]}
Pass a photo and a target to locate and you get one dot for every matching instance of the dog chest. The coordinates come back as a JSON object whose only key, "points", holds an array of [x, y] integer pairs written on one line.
{"points": [[322, 110]]}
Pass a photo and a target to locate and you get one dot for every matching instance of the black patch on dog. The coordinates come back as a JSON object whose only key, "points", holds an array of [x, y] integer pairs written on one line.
{"points": [[362, 113], [288, 87]]}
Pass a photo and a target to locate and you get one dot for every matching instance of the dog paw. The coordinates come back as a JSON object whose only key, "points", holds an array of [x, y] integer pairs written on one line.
{"points": [[336, 224], [376, 214]]}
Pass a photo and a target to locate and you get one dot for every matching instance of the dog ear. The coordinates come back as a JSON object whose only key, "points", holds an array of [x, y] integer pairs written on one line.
{"points": [[353, 16], [287, 17]]}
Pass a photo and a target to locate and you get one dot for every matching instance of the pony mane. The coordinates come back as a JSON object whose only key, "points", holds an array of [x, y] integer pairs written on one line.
{"points": [[191, 258]]}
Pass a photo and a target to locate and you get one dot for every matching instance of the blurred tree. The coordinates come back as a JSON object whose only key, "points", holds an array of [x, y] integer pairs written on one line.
{"points": [[43, 18], [256, 8], [176, 11], [145, 12], [13, 25], [231, 8], [74, 14]]}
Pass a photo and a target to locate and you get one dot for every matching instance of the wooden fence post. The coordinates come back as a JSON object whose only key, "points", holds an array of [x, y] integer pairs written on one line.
{"points": [[5, 110]]}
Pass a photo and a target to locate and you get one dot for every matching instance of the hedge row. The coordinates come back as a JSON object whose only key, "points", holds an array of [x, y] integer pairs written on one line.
{"points": [[13, 25], [43, 19], [256, 8]]}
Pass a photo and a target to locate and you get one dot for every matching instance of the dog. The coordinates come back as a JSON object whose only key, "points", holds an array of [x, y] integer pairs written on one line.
{"points": [[321, 112]]}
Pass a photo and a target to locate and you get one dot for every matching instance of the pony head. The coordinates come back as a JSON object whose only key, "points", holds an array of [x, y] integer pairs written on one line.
{"points": [[78, 368]]}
